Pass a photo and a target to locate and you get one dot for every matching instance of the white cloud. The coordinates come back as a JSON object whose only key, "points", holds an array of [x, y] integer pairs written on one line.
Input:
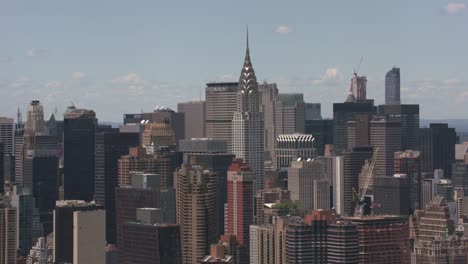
{"points": [[78, 75], [283, 29], [36, 53], [462, 97], [330, 77], [5, 59], [454, 8], [131, 78]]}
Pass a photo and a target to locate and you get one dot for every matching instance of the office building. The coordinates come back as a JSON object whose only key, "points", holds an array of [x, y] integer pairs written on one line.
{"points": [[110, 146], [408, 116], [313, 111], [8, 232], [7, 134], [268, 97], [392, 87], [322, 131], [382, 239], [18, 150], [425, 140], [159, 135], [40, 253], [342, 113], [409, 163], [79, 232], [359, 87], [385, 135], [262, 244], [342, 243], [240, 207], [194, 118], [217, 255], [309, 186], [392, 195], [221, 103], [290, 114], [291, 147], [460, 167], [443, 147], [436, 240], [211, 154], [79, 141], [247, 122], [29, 227], [35, 124], [196, 211], [444, 188], [149, 241], [353, 160], [161, 115]]}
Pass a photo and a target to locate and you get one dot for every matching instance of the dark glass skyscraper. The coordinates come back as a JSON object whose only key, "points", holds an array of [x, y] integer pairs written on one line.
{"points": [[110, 146], [78, 136], [392, 86]]}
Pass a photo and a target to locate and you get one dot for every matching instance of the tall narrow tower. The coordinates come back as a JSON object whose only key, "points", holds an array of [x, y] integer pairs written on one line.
{"points": [[247, 124]]}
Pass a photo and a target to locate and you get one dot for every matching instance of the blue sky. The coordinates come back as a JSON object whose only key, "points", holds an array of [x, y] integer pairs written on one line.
{"points": [[127, 56]]}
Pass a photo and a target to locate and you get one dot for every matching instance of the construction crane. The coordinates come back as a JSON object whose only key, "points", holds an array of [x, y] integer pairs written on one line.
{"points": [[365, 182], [359, 66]]}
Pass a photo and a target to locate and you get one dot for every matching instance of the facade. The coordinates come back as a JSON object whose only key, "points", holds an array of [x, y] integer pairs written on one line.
{"points": [[382, 239], [290, 114], [221, 103], [359, 87], [110, 146], [161, 115], [460, 167], [262, 244], [322, 130], [217, 255], [436, 239], [392, 195], [385, 135], [148, 241], [392, 87], [342, 113], [425, 139], [196, 211], [159, 134], [8, 233], [443, 147], [89, 237], [409, 162], [247, 122], [7, 126], [342, 243], [353, 160], [292, 146], [268, 97], [211, 154], [313, 111], [408, 116], [79, 141], [240, 207], [35, 124], [40, 253], [309, 185], [64, 240], [194, 118]]}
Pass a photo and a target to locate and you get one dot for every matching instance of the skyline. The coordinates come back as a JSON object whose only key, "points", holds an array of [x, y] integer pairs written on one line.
{"points": [[136, 55]]}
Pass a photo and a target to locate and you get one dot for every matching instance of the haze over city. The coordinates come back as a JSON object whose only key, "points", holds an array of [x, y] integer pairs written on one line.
{"points": [[121, 56]]}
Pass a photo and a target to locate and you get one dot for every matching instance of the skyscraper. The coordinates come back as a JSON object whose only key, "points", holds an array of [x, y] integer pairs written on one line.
{"points": [[342, 113], [289, 147], [443, 147], [79, 137], [247, 123], [409, 162], [194, 118], [35, 124], [7, 134], [221, 103], [322, 130], [196, 211], [8, 232], [290, 114], [240, 208], [110, 146], [359, 87], [342, 243], [391, 195], [460, 167], [408, 116], [392, 86], [309, 185], [68, 242], [313, 111], [211, 154], [385, 135], [268, 98]]}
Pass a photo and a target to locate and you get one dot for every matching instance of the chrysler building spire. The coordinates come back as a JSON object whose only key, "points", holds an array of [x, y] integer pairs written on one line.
{"points": [[248, 91]]}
